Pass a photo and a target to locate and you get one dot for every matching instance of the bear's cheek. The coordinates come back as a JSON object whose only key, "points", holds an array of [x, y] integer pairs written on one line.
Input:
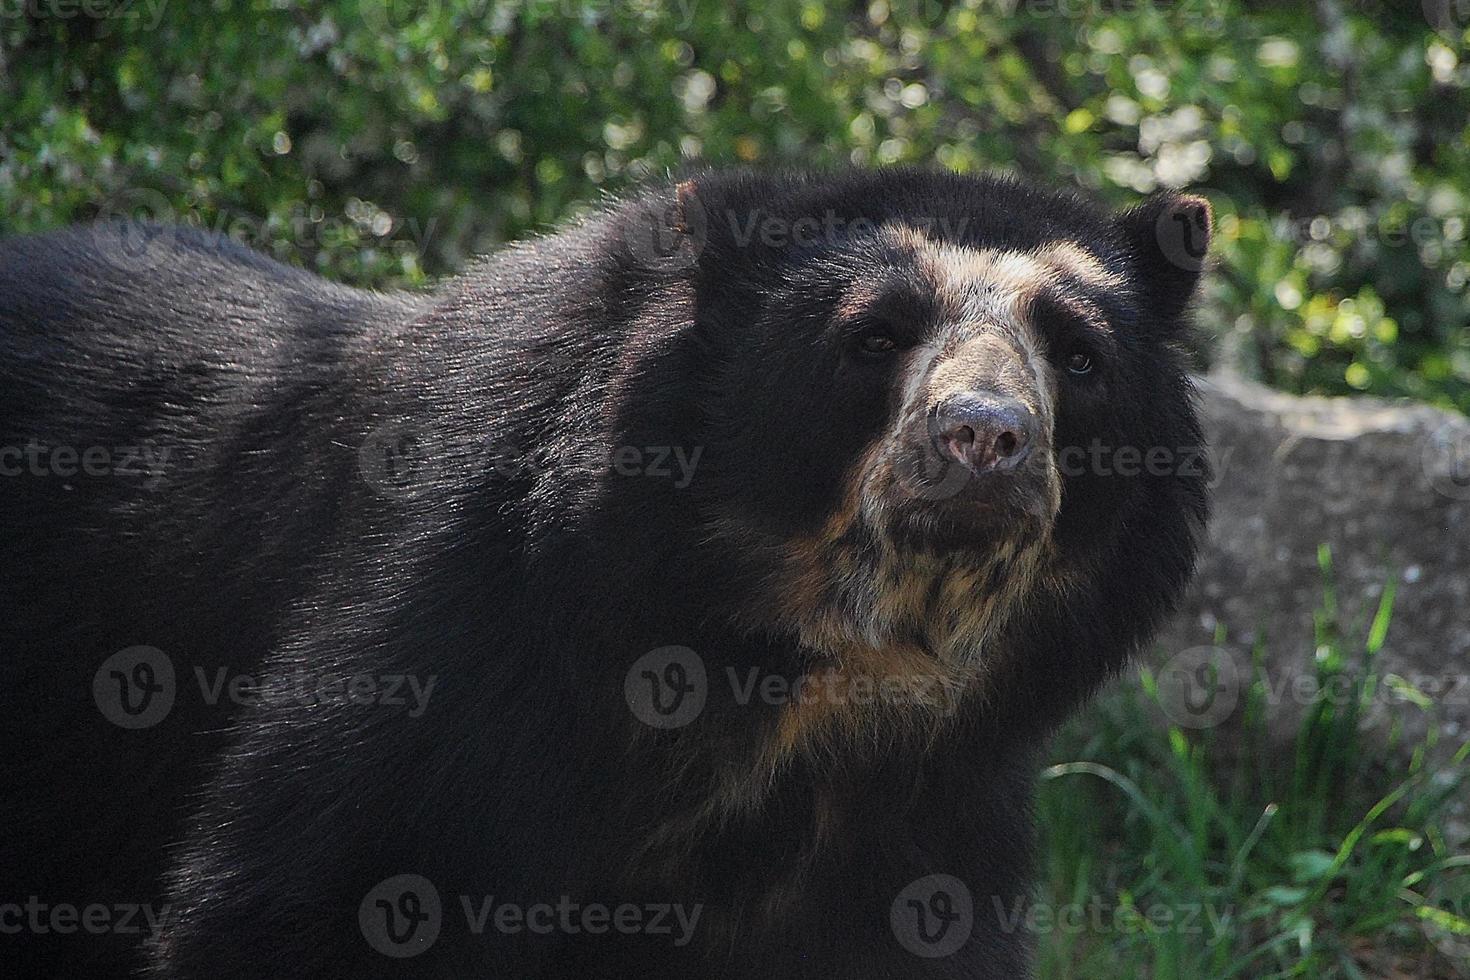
{"points": [[1103, 453], [782, 443]]}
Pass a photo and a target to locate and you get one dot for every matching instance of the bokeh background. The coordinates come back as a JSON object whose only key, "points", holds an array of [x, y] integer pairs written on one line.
{"points": [[386, 142]]}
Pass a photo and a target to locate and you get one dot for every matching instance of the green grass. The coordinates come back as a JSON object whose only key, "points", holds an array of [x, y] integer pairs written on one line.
{"points": [[1220, 853]]}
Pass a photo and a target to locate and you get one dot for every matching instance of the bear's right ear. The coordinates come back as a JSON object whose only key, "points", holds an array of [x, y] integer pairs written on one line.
{"points": [[1169, 238]]}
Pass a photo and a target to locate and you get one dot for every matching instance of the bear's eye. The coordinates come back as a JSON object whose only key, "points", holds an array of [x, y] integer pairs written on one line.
{"points": [[877, 343], [1079, 362]]}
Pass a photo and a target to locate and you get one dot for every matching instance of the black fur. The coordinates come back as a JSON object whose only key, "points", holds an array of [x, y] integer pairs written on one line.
{"points": [[525, 582]]}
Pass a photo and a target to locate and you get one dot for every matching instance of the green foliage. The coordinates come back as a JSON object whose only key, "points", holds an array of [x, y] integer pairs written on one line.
{"points": [[382, 141], [1213, 855]]}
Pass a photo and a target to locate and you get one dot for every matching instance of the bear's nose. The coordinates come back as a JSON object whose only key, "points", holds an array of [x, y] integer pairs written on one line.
{"points": [[984, 432]]}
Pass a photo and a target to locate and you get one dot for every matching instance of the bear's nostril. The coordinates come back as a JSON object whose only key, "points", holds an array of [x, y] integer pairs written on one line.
{"points": [[984, 432]]}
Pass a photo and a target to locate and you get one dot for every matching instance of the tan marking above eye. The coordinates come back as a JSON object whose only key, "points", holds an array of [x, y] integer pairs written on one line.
{"points": [[1012, 269], [980, 286], [1081, 265]]}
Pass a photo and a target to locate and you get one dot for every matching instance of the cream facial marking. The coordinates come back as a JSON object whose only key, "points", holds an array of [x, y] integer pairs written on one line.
{"points": [[987, 291], [1080, 265], [985, 340], [863, 596]]}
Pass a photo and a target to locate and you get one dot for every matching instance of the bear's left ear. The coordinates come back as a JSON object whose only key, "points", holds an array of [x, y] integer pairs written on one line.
{"points": [[1169, 237]]}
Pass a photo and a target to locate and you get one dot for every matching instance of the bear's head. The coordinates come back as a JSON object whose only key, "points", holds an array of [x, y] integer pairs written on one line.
{"points": [[929, 406]]}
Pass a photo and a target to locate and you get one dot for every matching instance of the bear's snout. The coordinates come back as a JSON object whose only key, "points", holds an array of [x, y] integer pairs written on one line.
{"points": [[973, 443], [985, 433]]}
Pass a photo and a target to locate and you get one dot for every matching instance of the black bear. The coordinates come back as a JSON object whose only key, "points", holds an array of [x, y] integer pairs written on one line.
{"points": [[684, 594]]}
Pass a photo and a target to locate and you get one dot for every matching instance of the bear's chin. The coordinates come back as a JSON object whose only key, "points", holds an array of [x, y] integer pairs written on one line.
{"points": [[964, 533], [935, 585]]}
